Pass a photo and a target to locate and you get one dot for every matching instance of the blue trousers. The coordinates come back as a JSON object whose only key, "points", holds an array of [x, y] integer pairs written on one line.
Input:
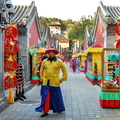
{"points": [[56, 100]]}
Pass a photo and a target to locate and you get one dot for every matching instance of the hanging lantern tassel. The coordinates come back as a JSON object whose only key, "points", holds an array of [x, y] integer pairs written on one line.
{"points": [[11, 96], [10, 58], [12, 43]]}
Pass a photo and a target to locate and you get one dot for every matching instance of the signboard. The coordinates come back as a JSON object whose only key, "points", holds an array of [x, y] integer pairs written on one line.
{"points": [[10, 82], [10, 65], [11, 49], [11, 32], [117, 44]]}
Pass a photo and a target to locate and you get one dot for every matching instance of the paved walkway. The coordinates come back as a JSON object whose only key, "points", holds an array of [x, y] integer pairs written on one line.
{"points": [[81, 100]]}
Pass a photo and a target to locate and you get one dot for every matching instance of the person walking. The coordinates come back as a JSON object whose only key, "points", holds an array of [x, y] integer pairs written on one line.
{"points": [[74, 64], [51, 92]]}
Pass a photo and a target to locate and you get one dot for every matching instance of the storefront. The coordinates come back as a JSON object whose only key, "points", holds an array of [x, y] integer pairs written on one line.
{"points": [[110, 90], [94, 62]]}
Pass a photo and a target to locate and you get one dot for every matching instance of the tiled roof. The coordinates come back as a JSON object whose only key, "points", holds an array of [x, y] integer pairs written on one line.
{"points": [[54, 24], [60, 37], [109, 13], [24, 14]]}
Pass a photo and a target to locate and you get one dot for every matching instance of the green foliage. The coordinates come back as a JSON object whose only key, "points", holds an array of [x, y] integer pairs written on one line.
{"points": [[77, 30], [44, 21]]}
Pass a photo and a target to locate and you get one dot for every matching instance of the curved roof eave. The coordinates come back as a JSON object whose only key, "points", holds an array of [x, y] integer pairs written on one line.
{"points": [[109, 13], [23, 13]]}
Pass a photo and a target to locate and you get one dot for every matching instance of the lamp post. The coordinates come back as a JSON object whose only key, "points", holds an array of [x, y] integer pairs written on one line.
{"points": [[6, 12]]}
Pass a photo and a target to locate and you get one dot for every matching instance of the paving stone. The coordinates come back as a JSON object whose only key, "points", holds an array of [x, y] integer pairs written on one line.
{"points": [[80, 97]]}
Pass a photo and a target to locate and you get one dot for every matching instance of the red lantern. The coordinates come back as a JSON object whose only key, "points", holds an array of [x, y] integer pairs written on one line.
{"points": [[10, 65], [11, 49], [117, 29], [10, 82], [11, 32], [117, 44]]}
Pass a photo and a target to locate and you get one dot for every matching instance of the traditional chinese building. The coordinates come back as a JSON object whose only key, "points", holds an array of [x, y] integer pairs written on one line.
{"points": [[104, 35], [104, 32], [55, 28], [27, 21], [59, 36]]}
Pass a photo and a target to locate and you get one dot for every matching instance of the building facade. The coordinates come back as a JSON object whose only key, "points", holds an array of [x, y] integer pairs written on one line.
{"points": [[104, 32]]}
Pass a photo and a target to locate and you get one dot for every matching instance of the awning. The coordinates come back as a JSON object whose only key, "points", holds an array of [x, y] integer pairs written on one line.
{"points": [[84, 53], [95, 48]]}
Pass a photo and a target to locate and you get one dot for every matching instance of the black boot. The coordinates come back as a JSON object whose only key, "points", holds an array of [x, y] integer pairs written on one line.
{"points": [[44, 114]]}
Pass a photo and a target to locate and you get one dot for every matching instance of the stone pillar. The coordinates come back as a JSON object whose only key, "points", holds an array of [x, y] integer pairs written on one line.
{"points": [[2, 95], [23, 52], [110, 36]]}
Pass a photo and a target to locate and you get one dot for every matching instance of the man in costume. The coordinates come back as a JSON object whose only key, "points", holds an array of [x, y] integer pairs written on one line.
{"points": [[51, 92]]}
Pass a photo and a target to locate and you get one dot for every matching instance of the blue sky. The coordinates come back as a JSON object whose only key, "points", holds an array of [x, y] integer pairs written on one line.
{"points": [[66, 9]]}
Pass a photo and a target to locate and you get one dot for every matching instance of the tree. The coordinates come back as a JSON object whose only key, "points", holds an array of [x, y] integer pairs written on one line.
{"points": [[76, 30], [43, 21]]}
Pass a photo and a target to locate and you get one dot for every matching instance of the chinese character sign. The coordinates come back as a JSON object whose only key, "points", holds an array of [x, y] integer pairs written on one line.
{"points": [[10, 65], [11, 49], [11, 32], [10, 82], [117, 44]]}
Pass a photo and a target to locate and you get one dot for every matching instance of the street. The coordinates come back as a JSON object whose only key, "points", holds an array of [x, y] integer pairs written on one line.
{"points": [[81, 100]]}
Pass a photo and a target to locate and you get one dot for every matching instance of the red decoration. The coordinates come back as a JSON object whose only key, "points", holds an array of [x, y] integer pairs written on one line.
{"points": [[10, 82], [11, 32], [117, 44], [96, 46], [10, 65], [11, 49], [109, 103], [117, 29]]}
